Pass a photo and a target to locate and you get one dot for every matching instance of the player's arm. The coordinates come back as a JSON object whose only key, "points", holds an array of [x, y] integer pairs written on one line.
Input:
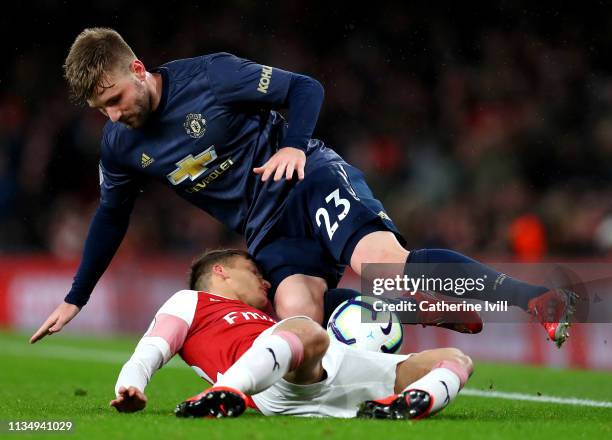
{"points": [[148, 357], [304, 99], [163, 340], [106, 232], [107, 229], [236, 80]]}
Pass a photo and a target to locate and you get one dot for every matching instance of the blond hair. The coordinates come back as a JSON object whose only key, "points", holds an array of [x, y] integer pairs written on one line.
{"points": [[95, 53]]}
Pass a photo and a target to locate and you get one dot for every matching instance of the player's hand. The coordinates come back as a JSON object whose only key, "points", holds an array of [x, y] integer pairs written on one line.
{"points": [[129, 400], [285, 162], [56, 321]]}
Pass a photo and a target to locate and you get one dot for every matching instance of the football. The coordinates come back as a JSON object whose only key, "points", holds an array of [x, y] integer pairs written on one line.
{"points": [[356, 324]]}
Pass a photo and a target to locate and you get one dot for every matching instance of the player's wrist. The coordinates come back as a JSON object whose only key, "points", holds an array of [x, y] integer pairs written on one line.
{"points": [[288, 143]]}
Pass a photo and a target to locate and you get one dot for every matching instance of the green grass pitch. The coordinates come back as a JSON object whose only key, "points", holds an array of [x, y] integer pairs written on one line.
{"points": [[70, 378]]}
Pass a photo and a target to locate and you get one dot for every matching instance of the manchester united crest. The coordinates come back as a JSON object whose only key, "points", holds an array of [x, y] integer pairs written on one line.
{"points": [[195, 125]]}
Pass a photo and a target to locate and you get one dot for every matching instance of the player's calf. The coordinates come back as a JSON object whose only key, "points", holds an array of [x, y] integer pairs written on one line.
{"points": [[420, 364], [443, 373]]}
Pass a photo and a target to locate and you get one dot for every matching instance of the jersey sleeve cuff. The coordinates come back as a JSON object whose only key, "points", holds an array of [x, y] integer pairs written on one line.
{"points": [[295, 142]]}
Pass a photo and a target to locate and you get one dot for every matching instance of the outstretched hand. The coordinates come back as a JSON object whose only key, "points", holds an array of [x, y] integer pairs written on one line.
{"points": [[285, 161], [129, 400], [56, 321]]}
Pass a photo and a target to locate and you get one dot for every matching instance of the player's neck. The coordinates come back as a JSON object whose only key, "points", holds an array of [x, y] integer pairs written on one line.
{"points": [[223, 293], [154, 83]]}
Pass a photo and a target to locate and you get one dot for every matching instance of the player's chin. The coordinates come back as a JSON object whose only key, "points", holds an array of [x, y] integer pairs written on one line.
{"points": [[133, 124], [128, 124], [135, 121], [262, 302]]}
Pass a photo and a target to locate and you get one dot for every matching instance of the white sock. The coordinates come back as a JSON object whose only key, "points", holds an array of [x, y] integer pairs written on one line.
{"points": [[442, 383], [267, 361]]}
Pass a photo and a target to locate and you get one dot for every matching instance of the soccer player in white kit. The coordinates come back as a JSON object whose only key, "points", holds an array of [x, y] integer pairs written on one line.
{"points": [[289, 367]]}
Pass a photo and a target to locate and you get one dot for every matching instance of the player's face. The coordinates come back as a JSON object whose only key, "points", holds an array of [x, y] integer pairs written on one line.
{"points": [[126, 100], [248, 283]]}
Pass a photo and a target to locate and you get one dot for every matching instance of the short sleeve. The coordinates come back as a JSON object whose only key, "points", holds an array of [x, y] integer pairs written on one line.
{"points": [[237, 80]]}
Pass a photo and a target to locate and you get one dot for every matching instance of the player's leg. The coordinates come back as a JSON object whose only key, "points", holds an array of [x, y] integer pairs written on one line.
{"points": [[293, 349], [300, 294], [551, 307], [420, 364], [383, 247], [315, 237], [308, 295], [300, 271], [313, 343], [326, 218], [425, 383]]}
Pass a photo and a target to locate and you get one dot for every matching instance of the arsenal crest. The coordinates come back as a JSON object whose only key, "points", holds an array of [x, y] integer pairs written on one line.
{"points": [[195, 125]]}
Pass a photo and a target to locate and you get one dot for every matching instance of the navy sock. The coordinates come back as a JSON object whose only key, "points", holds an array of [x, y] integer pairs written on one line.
{"points": [[455, 266], [333, 298]]}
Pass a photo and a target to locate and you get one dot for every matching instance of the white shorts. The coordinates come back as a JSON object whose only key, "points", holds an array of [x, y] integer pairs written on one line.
{"points": [[353, 376]]}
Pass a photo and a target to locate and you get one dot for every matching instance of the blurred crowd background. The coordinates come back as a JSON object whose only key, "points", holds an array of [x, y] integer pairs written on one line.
{"points": [[485, 129]]}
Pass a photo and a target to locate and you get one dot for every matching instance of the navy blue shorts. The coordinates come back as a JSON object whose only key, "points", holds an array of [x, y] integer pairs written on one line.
{"points": [[324, 218]]}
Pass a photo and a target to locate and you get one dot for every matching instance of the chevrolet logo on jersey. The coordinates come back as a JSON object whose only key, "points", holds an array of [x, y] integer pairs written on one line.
{"points": [[212, 176], [192, 167]]}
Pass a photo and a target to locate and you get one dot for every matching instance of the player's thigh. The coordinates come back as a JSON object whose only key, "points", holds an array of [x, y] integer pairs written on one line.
{"points": [[419, 364], [300, 294], [312, 335], [315, 341], [299, 270]]}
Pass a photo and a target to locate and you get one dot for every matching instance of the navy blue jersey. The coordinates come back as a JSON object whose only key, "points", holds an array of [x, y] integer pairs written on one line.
{"points": [[215, 122]]}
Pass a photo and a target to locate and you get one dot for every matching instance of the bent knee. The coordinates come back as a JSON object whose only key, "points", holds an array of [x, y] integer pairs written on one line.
{"points": [[318, 341], [455, 355], [300, 295], [313, 337], [469, 364], [378, 247]]}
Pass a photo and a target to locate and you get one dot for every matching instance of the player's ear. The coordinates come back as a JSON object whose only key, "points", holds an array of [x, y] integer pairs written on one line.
{"points": [[219, 270], [138, 68]]}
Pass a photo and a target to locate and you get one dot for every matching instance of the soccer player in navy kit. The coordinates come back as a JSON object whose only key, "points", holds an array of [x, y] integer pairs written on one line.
{"points": [[207, 127]]}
